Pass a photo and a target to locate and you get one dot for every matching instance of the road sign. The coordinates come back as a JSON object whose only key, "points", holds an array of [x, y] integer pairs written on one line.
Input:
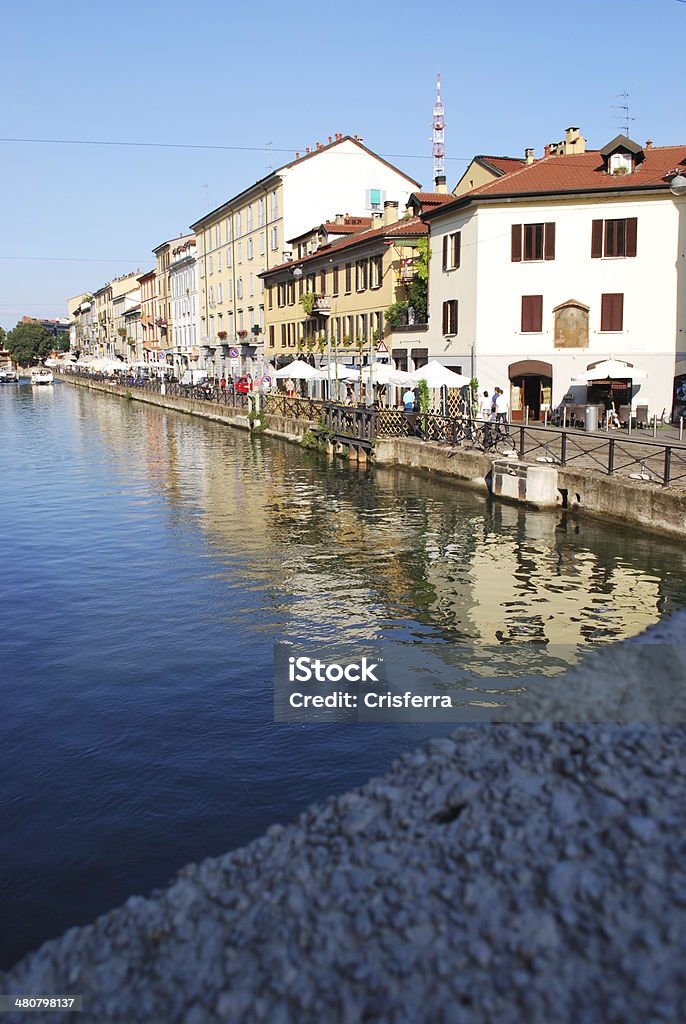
{"points": [[382, 349], [266, 380], [234, 353]]}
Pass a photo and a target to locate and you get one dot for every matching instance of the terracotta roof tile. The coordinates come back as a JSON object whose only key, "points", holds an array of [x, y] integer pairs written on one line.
{"points": [[433, 198], [585, 172], [505, 164], [349, 227], [413, 227]]}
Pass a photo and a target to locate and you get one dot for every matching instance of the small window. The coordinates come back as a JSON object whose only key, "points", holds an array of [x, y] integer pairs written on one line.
{"points": [[612, 312], [532, 314], [450, 317], [452, 245], [533, 242]]}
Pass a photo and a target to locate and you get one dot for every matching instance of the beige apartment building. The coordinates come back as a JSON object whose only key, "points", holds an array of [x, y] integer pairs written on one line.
{"points": [[334, 299], [247, 236]]}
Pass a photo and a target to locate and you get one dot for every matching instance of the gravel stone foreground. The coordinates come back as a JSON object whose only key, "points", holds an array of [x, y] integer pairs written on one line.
{"points": [[507, 874]]}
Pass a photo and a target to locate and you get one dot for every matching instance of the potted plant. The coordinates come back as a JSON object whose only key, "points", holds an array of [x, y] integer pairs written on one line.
{"points": [[308, 301]]}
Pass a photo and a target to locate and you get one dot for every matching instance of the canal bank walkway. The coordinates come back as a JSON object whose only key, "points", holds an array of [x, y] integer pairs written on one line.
{"points": [[632, 494], [506, 873]]}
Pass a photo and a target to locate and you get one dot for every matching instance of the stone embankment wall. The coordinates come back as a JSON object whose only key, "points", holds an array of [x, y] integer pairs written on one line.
{"points": [[616, 499], [276, 426]]}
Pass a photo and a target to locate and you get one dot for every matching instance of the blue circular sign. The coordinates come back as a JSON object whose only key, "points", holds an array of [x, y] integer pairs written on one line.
{"points": [[234, 353]]}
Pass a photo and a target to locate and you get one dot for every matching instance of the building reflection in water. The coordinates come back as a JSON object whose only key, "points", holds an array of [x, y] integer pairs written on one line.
{"points": [[365, 554]]}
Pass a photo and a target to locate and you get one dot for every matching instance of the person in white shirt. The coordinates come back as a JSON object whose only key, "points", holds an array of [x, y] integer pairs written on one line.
{"points": [[485, 407]]}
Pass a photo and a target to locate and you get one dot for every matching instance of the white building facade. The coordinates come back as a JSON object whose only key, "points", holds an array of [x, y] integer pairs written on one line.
{"points": [[183, 285], [562, 264]]}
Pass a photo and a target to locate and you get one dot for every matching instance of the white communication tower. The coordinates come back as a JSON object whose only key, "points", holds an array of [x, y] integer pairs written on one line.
{"points": [[439, 135]]}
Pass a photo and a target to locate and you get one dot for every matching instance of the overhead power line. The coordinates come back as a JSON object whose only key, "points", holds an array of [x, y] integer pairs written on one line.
{"points": [[81, 259], [193, 145]]}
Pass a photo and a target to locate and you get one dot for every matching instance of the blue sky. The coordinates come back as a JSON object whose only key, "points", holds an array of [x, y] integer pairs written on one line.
{"points": [[513, 75]]}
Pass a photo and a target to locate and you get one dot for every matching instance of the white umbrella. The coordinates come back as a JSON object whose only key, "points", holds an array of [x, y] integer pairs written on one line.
{"points": [[382, 373], [339, 370], [298, 370], [611, 369], [437, 375]]}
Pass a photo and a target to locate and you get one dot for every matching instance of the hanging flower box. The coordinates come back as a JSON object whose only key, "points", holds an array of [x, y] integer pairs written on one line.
{"points": [[221, 334], [241, 334]]}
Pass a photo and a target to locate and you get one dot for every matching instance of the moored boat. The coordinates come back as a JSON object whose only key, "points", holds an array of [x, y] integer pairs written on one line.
{"points": [[8, 375], [41, 375]]}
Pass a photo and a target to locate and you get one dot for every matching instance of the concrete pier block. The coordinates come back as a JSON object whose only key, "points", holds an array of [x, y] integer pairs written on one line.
{"points": [[526, 483]]}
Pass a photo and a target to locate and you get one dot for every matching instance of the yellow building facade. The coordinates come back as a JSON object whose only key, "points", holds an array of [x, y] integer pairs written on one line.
{"points": [[334, 300]]}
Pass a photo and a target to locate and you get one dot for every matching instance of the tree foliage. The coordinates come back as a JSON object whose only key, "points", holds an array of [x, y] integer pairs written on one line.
{"points": [[29, 344], [3, 337]]}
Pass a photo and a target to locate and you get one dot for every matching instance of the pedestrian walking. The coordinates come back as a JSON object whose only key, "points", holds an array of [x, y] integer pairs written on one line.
{"points": [[485, 403], [501, 412]]}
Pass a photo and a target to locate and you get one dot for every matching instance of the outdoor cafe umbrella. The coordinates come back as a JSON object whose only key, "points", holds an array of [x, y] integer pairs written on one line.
{"points": [[298, 370], [339, 370], [437, 375], [610, 369], [381, 373]]}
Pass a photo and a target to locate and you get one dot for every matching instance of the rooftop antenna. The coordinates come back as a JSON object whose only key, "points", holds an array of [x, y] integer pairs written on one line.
{"points": [[270, 163], [439, 136], [624, 117]]}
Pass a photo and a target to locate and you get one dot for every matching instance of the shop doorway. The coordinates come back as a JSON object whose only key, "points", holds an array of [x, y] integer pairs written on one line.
{"points": [[531, 384]]}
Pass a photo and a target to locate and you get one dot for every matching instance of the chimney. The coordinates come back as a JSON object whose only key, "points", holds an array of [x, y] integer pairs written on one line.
{"points": [[574, 142], [528, 156], [297, 155], [546, 149], [330, 140], [649, 144], [440, 185], [339, 218], [377, 219], [390, 212], [307, 149]]}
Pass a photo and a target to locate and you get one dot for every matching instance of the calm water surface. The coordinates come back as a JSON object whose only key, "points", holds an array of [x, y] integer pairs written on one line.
{"points": [[150, 563]]}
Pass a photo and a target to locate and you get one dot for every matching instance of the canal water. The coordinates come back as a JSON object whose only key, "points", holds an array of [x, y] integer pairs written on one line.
{"points": [[151, 561]]}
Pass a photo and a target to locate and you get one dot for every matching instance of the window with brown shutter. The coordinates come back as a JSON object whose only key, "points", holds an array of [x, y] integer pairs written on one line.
{"points": [[597, 239], [532, 314], [322, 285], [533, 242], [456, 248], [614, 238], [516, 243], [271, 335], [549, 244], [334, 289], [612, 312], [348, 278], [451, 250], [271, 297], [450, 316]]}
